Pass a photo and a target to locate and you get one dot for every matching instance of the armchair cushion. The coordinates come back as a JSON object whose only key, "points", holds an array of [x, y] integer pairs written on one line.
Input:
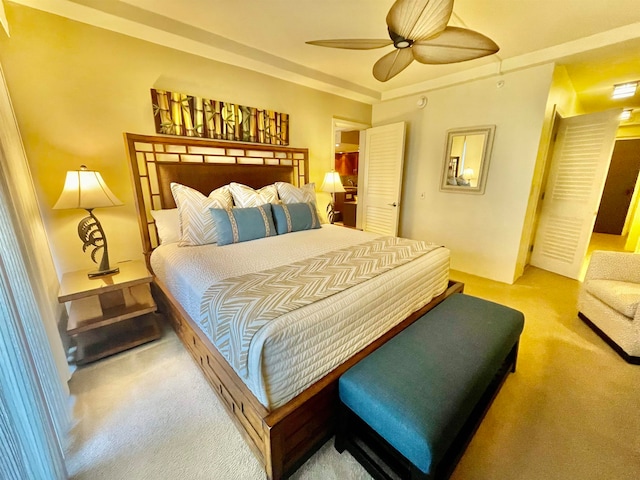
{"points": [[621, 296], [622, 266]]}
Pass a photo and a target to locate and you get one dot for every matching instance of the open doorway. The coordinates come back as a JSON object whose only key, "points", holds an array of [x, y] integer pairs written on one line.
{"points": [[346, 161], [616, 204], [619, 201]]}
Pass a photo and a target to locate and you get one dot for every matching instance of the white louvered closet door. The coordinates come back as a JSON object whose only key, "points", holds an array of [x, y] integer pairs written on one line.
{"points": [[577, 174], [383, 160]]}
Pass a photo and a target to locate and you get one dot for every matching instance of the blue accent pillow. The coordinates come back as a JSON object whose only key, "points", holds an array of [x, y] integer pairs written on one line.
{"points": [[293, 217], [235, 225]]}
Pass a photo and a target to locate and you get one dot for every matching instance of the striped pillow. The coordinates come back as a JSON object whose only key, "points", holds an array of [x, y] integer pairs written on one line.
{"points": [[294, 217], [245, 197], [236, 225], [196, 224], [289, 193]]}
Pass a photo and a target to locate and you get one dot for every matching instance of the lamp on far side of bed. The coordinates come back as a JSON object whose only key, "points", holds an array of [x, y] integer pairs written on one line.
{"points": [[332, 184], [86, 189]]}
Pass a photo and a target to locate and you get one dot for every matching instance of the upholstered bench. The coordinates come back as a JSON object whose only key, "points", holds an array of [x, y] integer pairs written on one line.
{"points": [[413, 405]]}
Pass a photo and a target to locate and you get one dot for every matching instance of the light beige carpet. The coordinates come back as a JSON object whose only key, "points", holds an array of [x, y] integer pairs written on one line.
{"points": [[571, 411]]}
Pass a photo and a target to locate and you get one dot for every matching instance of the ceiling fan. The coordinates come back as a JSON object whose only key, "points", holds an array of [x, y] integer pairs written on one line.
{"points": [[418, 30]]}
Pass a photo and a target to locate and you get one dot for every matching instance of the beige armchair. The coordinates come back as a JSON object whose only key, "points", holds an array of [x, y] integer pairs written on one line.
{"points": [[609, 301]]}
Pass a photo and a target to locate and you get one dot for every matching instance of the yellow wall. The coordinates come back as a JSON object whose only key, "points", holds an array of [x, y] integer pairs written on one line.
{"points": [[633, 216], [632, 225], [76, 89], [628, 131]]}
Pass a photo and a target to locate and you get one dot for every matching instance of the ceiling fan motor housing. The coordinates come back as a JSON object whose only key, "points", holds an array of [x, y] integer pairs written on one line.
{"points": [[399, 41]]}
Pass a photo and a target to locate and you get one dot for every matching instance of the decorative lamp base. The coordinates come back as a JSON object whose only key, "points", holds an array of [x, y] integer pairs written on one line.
{"points": [[102, 273], [331, 213]]}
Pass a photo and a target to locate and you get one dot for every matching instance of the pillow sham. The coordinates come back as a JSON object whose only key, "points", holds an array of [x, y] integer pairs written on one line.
{"points": [[245, 197], [289, 193], [236, 225], [293, 217], [197, 227], [167, 225]]}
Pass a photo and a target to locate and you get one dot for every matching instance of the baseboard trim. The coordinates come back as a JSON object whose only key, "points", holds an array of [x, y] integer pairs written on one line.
{"points": [[618, 349]]}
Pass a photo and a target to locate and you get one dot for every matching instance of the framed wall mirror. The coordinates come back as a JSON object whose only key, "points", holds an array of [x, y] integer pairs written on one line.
{"points": [[466, 159]]}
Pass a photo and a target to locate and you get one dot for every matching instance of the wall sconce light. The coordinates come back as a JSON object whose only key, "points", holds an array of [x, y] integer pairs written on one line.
{"points": [[86, 189], [332, 184]]}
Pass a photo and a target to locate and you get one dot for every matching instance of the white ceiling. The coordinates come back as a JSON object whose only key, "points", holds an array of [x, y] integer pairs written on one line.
{"points": [[598, 40]]}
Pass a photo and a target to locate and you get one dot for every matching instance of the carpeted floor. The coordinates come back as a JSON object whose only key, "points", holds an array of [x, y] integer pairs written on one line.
{"points": [[571, 411]]}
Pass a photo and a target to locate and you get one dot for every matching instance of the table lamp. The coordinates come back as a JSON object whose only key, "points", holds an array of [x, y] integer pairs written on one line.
{"points": [[332, 185], [465, 178], [86, 189]]}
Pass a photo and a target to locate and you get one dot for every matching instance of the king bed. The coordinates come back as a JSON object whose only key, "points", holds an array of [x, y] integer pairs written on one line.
{"points": [[273, 322]]}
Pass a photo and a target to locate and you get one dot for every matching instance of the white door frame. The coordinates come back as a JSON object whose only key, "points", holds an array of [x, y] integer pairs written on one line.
{"points": [[553, 133], [339, 124]]}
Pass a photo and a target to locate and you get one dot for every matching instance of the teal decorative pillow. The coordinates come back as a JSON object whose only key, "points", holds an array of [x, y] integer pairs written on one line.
{"points": [[235, 225], [293, 217]]}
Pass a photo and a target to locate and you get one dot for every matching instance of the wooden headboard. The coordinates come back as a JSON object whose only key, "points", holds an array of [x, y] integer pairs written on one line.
{"points": [[204, 165]]}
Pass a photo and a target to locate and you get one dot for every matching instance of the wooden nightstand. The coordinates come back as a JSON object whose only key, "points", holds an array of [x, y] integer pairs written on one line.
{"points": [[109, 314]]}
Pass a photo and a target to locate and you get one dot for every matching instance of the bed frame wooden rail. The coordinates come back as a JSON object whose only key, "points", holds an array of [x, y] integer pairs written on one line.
{"points": [[284, 438]]}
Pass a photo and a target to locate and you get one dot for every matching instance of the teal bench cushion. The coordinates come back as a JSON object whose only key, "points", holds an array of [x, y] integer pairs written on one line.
{"points": [[418, 389]]}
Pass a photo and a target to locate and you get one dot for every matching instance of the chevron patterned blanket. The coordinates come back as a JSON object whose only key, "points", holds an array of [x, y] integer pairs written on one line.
{"points": [[234, 309]]}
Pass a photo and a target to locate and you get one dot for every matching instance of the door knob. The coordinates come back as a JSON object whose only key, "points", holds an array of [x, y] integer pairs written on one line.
{"points": [[394, 204]]}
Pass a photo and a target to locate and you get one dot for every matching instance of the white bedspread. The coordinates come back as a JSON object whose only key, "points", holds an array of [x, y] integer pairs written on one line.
{"points": [[303, 345]]}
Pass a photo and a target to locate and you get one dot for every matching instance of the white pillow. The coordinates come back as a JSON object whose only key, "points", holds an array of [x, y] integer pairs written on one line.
{"points": [[196, 223], [289, 193], [246, 197], [167, 225]]}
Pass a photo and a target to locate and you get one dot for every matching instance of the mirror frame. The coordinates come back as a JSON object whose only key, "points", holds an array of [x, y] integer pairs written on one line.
{"points": [[488, 131]]}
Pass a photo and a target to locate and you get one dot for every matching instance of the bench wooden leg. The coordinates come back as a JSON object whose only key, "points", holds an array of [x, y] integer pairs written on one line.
{"points": [[417, 474], [342, 429], [513, 356], [371, 451]]}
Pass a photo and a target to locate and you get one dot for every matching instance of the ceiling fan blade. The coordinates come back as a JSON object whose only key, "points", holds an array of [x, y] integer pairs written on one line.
{"points": [[352, 43], [392, 64], [419, 19], [453, 45]]}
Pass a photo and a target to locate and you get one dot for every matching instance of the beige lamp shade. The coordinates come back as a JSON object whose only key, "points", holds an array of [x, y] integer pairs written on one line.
{"points": [[332, 183], [85, 189]]}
